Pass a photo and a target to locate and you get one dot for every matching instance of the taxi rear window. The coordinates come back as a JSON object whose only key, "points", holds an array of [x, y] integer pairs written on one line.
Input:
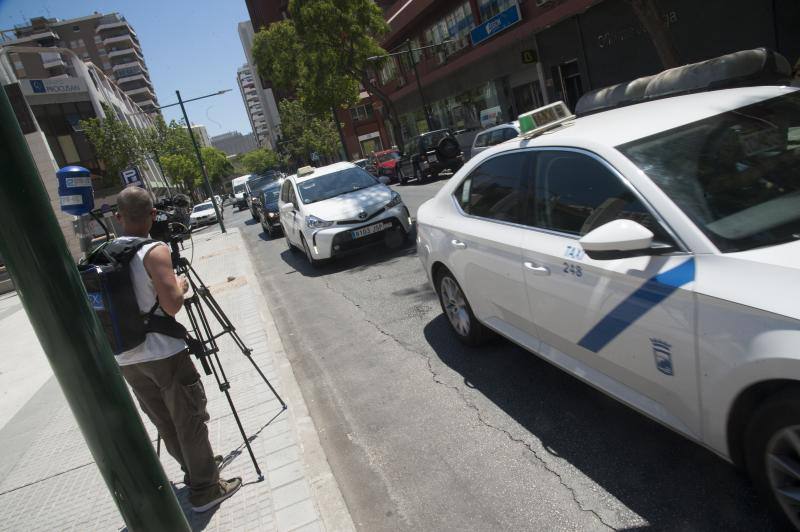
{"points": [[736, 174]]}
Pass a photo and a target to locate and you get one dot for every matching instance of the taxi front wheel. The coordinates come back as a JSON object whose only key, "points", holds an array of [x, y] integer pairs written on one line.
{"points": [[458, 311], [773, 454]]}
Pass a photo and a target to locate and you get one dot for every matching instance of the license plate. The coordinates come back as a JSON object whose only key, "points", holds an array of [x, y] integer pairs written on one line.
{"points": [[364, 231]]}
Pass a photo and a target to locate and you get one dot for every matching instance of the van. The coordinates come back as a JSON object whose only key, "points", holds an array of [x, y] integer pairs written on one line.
{"points": [[240, 191]]}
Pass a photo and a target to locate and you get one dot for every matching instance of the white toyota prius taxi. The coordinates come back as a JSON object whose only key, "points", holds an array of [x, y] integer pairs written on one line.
{"points": [[651, 250], [338, 208]]}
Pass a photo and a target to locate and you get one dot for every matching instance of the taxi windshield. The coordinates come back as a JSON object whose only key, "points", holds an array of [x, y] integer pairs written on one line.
{"points": [[202, 207], [334, 184], [736, 174]]}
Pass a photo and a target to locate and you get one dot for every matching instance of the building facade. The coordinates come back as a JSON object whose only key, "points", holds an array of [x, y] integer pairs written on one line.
{"points": [[107, 41], [234, 143], [201, 135], [49, 112], [253, 105], [267, 134], [484, 61]]}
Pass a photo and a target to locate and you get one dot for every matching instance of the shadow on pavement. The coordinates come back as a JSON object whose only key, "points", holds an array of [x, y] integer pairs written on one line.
{"points": [[354, 262], [667, 480]]}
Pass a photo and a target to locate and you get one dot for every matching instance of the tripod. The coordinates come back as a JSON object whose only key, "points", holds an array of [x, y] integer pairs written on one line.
{"points": [[204, 343]]}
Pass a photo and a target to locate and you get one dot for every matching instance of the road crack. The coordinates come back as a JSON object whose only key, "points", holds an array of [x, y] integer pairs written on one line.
{"points": [[469, 404]]}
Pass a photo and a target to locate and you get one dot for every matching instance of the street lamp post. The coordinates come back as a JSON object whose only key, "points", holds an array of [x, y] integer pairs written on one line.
{"points": [[425, 107], [197, 148]]}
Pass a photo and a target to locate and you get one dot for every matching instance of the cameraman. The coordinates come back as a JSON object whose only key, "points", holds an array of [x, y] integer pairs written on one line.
{"points": [[160, 372]]}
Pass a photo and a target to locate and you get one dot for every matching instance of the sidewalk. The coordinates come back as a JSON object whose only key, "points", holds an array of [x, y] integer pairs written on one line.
{"points": [[48, 480]]}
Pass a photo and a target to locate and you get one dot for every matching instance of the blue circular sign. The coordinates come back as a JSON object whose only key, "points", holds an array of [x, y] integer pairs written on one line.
{"points": [[75, 190]]}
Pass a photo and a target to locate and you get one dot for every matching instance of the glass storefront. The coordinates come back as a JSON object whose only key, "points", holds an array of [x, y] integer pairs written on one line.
{"points": [[459, 112]]}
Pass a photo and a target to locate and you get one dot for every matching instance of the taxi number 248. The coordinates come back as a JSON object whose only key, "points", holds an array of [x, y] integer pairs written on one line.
{"points": [[572, 269]]}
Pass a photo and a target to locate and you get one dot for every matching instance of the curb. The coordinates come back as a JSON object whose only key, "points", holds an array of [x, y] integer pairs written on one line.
{"points": [[333, 511]]}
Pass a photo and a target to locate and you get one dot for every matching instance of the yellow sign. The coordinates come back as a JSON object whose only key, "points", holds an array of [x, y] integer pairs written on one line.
{"points": [[529, 56]]}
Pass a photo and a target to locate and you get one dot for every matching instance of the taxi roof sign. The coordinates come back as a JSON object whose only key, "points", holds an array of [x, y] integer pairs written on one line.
{"points": [[304, 171], [540, 120]]}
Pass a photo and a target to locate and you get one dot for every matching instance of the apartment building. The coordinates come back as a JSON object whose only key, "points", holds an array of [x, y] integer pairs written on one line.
{"points": [[201, 135], [107, 41], [234, 143], [253, 105], [266, 96]]}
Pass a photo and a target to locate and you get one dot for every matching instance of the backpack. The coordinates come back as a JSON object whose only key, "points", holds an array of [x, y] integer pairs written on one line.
{"points": [[107, 278]]}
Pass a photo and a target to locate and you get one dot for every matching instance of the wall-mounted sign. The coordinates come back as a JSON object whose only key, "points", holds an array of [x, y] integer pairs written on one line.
{"points": [[498, 23], [53, 86], [529, 56], [131, 177]]}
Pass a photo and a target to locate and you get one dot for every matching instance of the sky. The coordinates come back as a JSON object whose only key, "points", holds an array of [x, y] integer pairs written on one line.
{"points": [[189, 45]]}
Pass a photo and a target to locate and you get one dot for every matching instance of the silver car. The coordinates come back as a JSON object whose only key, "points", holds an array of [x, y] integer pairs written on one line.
{"points": [[493, 136]]}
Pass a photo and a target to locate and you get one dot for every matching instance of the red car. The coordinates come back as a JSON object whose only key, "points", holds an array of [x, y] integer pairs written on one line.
{"points": [[386, 162]]}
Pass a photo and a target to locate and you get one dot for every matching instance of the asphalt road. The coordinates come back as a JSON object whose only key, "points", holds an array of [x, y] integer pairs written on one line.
{"points": [[425, 434]]}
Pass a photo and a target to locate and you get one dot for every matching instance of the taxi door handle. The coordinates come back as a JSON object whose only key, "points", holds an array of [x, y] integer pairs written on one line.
{"points": [[537, 270], [458, 244]]}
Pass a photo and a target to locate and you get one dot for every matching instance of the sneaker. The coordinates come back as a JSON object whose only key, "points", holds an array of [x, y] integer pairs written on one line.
{"points": [[217, 460], [227, 488]]}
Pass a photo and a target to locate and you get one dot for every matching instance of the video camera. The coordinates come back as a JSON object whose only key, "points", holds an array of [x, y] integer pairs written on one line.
{"points": [[172, 219]]}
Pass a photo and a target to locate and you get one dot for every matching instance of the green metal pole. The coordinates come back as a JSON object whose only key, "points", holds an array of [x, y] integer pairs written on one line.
{"points": [[52, 293], [202, 166]]}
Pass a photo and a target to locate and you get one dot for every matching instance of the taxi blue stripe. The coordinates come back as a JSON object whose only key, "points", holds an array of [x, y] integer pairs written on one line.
{"points": [[654, 291]]}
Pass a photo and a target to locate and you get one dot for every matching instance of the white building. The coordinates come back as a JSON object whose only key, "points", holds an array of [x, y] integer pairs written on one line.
{"points": [[49, 111], [265, 95], [201, 135]]}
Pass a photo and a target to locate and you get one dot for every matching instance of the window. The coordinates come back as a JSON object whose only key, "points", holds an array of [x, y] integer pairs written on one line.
{"points": [[734, 174], [361, 112], [510, 133], [81, 43], [455, 26], [575, 194], [490, 8], [495, 189], [480, 140], [76, 28], [97, 39]]}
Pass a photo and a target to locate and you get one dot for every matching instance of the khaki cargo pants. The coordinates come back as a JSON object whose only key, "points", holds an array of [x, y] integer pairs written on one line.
{"points": [[171, 393]]}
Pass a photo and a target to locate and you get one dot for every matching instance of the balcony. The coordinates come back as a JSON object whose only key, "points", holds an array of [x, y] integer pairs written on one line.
{"points": [[147, 105], [48, 35], [122, 80], [114, 25], [124, 38], [52, 60], [133, 93], [125, 51], [130, 64]]}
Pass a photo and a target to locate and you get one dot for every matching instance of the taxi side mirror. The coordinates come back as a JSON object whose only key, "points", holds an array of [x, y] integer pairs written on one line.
{"points": [[620, 239]]}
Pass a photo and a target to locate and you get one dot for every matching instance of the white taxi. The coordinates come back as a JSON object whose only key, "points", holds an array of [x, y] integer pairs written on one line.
{"points": [[339, 208], [652, 251]]}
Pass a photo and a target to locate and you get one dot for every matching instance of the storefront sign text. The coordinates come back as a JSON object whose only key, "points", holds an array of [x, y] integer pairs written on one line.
{"points": [[496, 24]]}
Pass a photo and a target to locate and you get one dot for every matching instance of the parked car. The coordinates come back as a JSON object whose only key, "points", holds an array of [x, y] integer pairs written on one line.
{"points": [[268, 213], [652, 251], [338, 208], [385, 163], [494, 136], [255, 186], [430, 154], [202, 214]]}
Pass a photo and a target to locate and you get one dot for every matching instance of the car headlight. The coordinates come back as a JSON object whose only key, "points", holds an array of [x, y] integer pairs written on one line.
{"points": [[312, 222], [272, 214], [395, 201]]}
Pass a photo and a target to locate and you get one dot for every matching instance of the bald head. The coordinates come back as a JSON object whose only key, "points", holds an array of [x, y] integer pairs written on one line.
{"points": [[135, 209]]}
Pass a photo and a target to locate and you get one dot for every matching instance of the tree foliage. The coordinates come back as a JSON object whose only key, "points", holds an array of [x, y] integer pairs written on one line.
{"points": [[115, 143], [217, 164], [260, 160], [182, 169], [323, 54], [305, 133]]}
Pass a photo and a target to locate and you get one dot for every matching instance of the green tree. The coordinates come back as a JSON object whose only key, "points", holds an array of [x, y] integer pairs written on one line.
{"points": [[182, 169], [260, 160], [304, 132], [116, 144], [323, 54], [217, 165]]}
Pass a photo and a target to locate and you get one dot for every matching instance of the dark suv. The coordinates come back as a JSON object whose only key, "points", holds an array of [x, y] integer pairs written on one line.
{"points": [[429, 154]]}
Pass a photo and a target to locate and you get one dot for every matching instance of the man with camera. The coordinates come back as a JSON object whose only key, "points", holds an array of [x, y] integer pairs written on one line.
{"points": [[159, 371]]}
